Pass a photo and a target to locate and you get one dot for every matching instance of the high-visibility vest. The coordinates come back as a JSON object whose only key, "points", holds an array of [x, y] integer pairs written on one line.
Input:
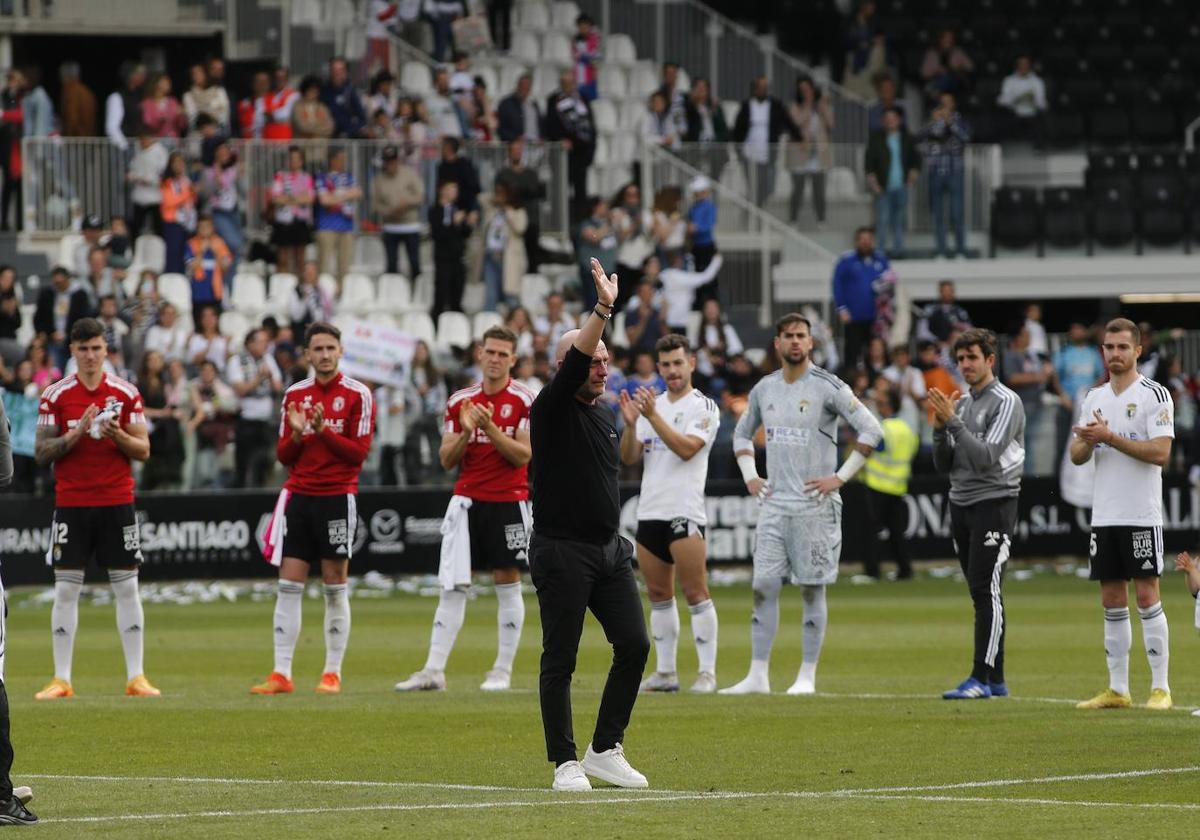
{"points": [[888, 470]]}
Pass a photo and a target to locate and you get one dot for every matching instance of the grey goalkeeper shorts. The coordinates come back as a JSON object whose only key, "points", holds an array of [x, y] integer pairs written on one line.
{"points": [[802, 547]]}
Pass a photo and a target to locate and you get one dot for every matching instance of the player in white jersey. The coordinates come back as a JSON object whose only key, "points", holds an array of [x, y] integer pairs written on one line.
{"points": [[1129, 429], [799, 533], [674, 433]]}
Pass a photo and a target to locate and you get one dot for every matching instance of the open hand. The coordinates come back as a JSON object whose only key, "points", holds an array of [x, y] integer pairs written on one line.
{"points": [[1184, 562], [482, 415], [823, 486], [645, 400], [296, 419], [85, 422], [759, 488], [318, 418], [943, 406], [466, 416], [629, 409], [1095, 432], [110, 428], [606, 287]]}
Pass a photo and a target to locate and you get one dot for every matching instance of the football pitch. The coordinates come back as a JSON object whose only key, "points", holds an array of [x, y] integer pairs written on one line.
{"points": [[876, 753]]}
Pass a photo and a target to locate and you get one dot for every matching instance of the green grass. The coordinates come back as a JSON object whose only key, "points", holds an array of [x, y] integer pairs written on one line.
{"points": [[912, 641]]}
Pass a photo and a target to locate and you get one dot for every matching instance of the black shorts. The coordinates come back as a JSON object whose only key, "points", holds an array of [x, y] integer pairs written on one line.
{"points": [[1124, 552], [498, 536], [656, 535], [107, 535], [291, 234], [319, 528]]}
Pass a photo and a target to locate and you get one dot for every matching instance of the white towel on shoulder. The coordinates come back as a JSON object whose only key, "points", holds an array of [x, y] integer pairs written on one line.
{"points": [[454, 570]]}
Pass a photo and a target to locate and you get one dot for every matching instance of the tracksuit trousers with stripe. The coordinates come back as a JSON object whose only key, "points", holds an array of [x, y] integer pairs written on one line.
{"points": [[983, 535]]}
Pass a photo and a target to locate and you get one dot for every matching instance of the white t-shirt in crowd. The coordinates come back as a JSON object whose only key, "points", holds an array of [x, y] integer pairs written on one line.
{"points": [[672, 487], [758, 139]]}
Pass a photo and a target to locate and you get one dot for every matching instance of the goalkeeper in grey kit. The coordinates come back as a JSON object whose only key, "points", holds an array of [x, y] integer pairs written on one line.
{"points": [[799, 533]]}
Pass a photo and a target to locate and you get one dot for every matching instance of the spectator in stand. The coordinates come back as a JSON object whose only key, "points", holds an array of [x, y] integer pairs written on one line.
{"points": [[875, 360], [398, 193], [411, 130], [658, 126], [391, 432], [59, 305], [115, 330], [144, 177], [1039, 344], [92, 228], [762, 121], [168, 336], [645, 373], [682, 291], [275, 109], [632, 223], [947, 68], [76, 103], [504, 249], [555, 322], [585, 49], [1023, 96], [716, 342], [100, 281], [909, 383], [163, 471], [457, 167], [204, 98], [249, 109], [705, 123], [382, 95], [337, 197], [675, 92], [866, 50], [893, 165], [885, 100], [598, 240], [123, 108], [311, 120], [945, 136], [569, 119], [645, 323], [428, 384], [449, 227], [141, 312], [258, 383], [207, 343], [382, 127], [528, 192], [214, 407], [46, 370], [1079, 367], [178, 209], [161, 112], [12, 123], [446, 118], [381, 13], [812, 157], [342, 99], [292, 195], [209, 262], [11, 350], [220, 189], [462, 79], [521, 324], [311, 302], [1029, 376], [36, 105], [216, 80], [668, 224], [441, 15], [854, 279], [939, 320], [702, 224], [499, 14], [519, 114], [484, 124]]}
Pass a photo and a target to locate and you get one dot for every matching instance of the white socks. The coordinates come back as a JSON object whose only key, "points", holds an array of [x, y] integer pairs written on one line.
{"points": [[1118, 637], [130, 619], [816, 616], [664, 627], [1156, 637], [337, 626], [64, 619], [764, 621], [447, 621], [287, 624], [704, 632], [510, 618]]}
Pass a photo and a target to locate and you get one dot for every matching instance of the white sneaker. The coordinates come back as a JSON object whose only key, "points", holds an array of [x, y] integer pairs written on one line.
{"points": [[424, 680], [806, 680], [497, 679], [610, 766], [706, 683], [569, 777], [660, 681], [751, 685]]}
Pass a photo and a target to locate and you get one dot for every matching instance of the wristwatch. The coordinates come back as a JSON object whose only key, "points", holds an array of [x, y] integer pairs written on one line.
{"points": [[596, 309]]}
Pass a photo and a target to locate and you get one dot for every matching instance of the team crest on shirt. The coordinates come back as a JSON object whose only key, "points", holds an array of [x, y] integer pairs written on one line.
{"points": [[339, 403], [1130, 409], [854, 406], [506, 411], [678, 419], [803, 406], [1163, 419], [705, 423]]}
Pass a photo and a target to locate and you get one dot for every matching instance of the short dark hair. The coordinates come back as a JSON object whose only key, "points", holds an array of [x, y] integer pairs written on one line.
{"points": [[254, 331], [985, 340], [893, 399], [859, 231], [1117, 325], [789, 319], [85, 329], [500, 333], [321, 328], [670, 343]]}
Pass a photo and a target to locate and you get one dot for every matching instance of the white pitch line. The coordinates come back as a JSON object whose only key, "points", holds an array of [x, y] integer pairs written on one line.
{"points": [[1167, 806], [1043, 780]]}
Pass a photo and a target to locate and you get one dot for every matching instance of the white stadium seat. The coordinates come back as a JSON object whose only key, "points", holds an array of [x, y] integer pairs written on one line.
{"points": [[368, 255], [600, 157], [235, 325], [358, 293], [619, 49], [624, 148], [453, 330], [534, 288], [545, 79], [632, 113], [484, 321], [150, 250], [306, 13], [176, 289], [422, 291], [491, 81], [643, 81], [612, 82], [563, 15], [534, 16], [556, 47], [328, 284], [416, 78], [383, 319], [619, 339], [394, 293], [249, 293], [420, 326], [281, 289], [604, 113], [66, 252], [526, 47], [509, 74], [694, 320], [25, 331]]}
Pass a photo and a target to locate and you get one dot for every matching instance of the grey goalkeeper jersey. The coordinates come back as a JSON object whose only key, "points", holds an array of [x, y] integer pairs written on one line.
{"points": [[982, 446], [800, 420]]}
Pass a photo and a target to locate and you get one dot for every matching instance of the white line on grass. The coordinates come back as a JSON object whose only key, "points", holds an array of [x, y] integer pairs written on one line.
{"points": [[1167, 806], [987, 783]]}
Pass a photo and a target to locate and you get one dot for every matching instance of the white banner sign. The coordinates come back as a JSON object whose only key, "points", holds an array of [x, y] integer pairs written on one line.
{"points": [[377, 354]]}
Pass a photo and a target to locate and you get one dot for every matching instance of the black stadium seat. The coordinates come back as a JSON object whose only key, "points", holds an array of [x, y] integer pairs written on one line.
{"points": [[1064, 125], [1107, 170], [1064, 216], [1108, 126], [1104, 58], [1016, 218], [1155, 126], [1083, 91], [1113, 222], [1163, 219]]}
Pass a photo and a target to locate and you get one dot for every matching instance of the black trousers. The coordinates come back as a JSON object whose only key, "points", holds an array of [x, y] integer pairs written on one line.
{"points": [[572, 577], [6, 750], [890, 512], [391, 252], [500, 23], [578, 163], [799, 179], [982, 535], [254, 451], [856, 334], [448, 282]]}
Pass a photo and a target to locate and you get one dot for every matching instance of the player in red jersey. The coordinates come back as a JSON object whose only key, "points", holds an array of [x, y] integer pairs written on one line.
{"points": [[325, 432], [487, 522], [90, 426]]}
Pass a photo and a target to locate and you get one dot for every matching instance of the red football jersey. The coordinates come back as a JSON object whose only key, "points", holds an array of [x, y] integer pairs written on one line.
{"points": [[483, 473], [95, 473], [328, 464]]}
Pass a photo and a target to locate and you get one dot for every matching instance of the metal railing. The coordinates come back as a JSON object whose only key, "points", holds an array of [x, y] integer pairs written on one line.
{"points": [[762, 240], [706, 43], [108, 12], [65, 178]]}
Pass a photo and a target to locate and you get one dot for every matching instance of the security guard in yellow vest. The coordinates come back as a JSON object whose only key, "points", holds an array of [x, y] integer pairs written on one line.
{"points": [[886, 475]]}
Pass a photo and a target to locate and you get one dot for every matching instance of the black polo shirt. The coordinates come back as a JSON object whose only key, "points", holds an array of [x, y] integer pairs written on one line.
{"points": [[576, 458]]}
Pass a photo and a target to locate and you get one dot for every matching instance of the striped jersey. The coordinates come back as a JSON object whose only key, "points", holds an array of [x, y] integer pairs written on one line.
{"points": [[95, 473], [1128, 491], [484, 474], [800, 420], [982, 446], [672, 487], [328, 463]]}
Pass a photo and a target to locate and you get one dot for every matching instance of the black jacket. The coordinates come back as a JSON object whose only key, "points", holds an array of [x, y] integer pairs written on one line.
{"points": [[780, 123], [43, 316], [463, 172], [878, 157], [695, 125], [582, 134], [511, 113], [449, 240]]}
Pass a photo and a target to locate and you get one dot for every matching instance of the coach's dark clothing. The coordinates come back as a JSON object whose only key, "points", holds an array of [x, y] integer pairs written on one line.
{"points": [[577, 560], [983, 535]]}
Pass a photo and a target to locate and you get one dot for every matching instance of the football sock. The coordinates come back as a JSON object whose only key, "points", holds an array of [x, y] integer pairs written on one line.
{"points": [[664, 627], [764, 621], [816, 616], [130, 619], [337, 626], [510, 618], [447, 621], [64, 619], [1157, 639], [287, 624], [1118, 637], [704, 631]]}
